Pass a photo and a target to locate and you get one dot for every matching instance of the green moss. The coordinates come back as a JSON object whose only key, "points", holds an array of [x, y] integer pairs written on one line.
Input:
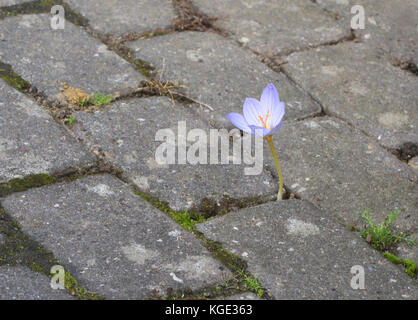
{"points": [[12, 78], [72, 286], [142, 66], [181, 217], [21, 249], [410, 267], [22, 184], [229, 260]]}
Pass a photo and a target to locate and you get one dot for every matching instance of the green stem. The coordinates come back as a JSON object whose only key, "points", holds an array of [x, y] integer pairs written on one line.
{"points": [[279, 170]]}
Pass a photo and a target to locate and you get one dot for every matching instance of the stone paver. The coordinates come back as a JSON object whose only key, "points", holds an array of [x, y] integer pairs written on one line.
{"points": [[344, 173], [355, 83], [21, 283], [126, 133], [123, 16], [389, 25], [118, 245], [30, 140], [298, 252], [274, 27], [112, 241], [44, 56], [219, 73]]}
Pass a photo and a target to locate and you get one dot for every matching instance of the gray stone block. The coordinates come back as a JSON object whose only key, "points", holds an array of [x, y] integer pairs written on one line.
{"points": [[123, 16], [44, 57], [111, 240], [357, 84], [274, 27], [299, 252], [31, 142]]}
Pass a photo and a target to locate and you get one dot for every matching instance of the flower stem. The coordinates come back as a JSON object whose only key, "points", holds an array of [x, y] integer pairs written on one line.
{"points": [[279, 170]]}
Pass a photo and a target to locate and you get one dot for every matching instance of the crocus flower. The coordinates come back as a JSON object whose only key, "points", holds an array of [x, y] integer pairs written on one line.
{"points": [[265, 115]]}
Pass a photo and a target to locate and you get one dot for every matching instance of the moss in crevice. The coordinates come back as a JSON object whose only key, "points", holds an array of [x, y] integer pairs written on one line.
{"points": [[209, 207], [20, 249], [22, 184], [410, 267], [181, 217], [72, 286], [12, 78]]}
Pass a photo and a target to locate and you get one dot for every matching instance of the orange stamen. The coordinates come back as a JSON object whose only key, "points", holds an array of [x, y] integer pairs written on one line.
{"points": [[265, 122]]}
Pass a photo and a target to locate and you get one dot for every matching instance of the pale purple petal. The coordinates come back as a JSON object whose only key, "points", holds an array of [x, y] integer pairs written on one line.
{"points": [[277, 114], [276, 128], [270, 97], [239, 121], [252, 110]]}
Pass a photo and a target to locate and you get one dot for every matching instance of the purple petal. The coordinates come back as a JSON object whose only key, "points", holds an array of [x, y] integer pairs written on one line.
{"points": [[252, 110], [239, 121], [270, 97], [271, 101], [277, 114], [276, 128]]}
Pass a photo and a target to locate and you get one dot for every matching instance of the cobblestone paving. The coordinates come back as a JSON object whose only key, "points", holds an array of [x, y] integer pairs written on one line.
{"points": [[80, 185]]}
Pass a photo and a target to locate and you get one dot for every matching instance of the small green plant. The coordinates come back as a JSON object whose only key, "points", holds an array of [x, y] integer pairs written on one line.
{"points": [[380, 236], [99, 99], [84, 103], [252, 283], [70, 121]]}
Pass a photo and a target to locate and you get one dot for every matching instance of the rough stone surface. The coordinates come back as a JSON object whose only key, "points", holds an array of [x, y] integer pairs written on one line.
{"points": [[21, 283], [344, 173], [219, 73], [389, 25], [30, 140], [112, 241], [243, 296], [126, 133], [357, 84], [44, 56], [298, 252], [274, 27], [123, 16], [4, 3], [414, 162]]}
